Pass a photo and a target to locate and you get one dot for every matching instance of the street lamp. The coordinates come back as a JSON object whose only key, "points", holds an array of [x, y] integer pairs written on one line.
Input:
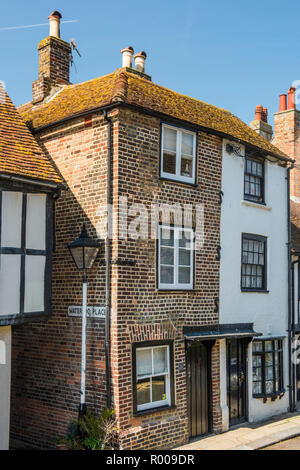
{"points": [[84, 252]]}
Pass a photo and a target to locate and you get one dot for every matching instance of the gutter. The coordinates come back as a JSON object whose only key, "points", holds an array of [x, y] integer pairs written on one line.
{"points": [[55, 186], [108, 263], [164, 117]]}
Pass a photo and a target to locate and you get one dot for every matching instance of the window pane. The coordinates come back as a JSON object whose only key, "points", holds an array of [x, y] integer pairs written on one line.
{"points": [[256, 374], [186, 167], [257, 388], [268, 346], [143, 362], [36, 221], [167, 256], [10, 284], [187, 143], [169, 163], [167, 237], [159, 388], [269, 359], [160, 360], [143, 391], [256, 361], [269, 373], [166, 275], [257, 346], [11, 219], [34, 283], [269, 387], [184, 257], [170, 136], [184, 275], [185, 239]]}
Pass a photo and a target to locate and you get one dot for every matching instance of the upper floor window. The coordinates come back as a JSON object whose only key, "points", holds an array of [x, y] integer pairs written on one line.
{"points": [[25, 253], [254, 180], [267, 367], [253, 262], [178, 154], [175, 257]]}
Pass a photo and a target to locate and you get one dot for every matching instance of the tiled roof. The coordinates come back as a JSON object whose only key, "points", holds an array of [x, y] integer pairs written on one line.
{"points": [[126, 87], [295, 225], [20, 155]]}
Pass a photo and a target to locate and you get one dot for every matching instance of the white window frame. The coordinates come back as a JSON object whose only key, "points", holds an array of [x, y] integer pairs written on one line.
{"points": [[176, 284], [178, 176], [159, 403]]}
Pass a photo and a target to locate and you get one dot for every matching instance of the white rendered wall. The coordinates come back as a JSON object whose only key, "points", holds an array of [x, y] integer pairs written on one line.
{"points": [[268, 311], [5, 373]]}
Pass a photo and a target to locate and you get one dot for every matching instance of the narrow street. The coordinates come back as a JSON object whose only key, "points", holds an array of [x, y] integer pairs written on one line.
{"points": [[290, 444]]}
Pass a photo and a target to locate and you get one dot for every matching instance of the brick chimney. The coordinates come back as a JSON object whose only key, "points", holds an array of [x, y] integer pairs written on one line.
{"points": [[260, 123], [287, 135], [54, 61]]}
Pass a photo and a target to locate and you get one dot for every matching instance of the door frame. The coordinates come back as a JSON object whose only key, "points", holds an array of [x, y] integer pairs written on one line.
{"points": [[245, 342], [208, 344]]}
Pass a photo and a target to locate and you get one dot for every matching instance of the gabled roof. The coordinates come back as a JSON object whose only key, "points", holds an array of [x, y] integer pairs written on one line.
{"points": [[123, 86], [20, 155]]}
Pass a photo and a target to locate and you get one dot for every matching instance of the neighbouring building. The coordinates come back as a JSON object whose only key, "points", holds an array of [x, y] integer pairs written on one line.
{"points": [[29, 185], [287, 138], [177, 302]]}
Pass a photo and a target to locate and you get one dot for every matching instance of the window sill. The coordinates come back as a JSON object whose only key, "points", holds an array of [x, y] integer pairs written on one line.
{"points": [[179, 291], [255, 291], [273, 396], [258, 205], [154, 410], [185, 183]]}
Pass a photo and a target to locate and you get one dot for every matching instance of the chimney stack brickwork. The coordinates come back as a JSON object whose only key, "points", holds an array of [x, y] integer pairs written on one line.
{"points": [[260, 123], [54, 64], [287, 139]]}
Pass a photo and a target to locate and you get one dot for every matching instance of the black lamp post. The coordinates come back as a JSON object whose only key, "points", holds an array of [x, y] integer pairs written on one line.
{"points": [[84, 252]]}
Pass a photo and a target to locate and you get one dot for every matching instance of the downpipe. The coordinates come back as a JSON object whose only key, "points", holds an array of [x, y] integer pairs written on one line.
{"points": [[290, 330]]}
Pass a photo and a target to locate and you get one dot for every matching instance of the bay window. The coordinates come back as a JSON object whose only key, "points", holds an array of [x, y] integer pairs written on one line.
{"points": [[267, 367], [153, 372], [25, 254], [175, 257], [178, 154]]}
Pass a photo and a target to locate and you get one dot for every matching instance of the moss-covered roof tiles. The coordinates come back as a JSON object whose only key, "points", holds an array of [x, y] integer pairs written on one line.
{"points": [[129, 88], [20, 155]]}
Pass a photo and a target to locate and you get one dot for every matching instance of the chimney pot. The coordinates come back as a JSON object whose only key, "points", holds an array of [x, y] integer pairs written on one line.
{"points": [[282, 102], [265, 114], [258, 113], [291, 98], [127, 56], [140, 59], [54, 24]]}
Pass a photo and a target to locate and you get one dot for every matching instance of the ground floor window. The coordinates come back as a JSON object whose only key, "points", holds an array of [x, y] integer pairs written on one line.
{"points": [[153, 373], [267, 367]]}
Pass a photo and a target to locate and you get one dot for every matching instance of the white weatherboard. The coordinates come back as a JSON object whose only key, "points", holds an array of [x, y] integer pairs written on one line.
{"points": [[92, 312]]}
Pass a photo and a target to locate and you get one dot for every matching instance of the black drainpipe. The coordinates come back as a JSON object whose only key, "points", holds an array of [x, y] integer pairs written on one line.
{"points": [[107, 263], [290, 332]]}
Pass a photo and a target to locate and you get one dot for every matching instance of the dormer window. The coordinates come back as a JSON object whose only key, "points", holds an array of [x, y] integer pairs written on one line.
{"points": [[178, 154], [25, 255], [254, 180]]}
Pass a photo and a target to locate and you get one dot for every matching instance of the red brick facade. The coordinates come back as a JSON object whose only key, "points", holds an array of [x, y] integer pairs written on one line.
{"points": [[46, 357]]}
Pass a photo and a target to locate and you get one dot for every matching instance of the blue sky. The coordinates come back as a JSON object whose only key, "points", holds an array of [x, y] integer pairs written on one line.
{"points": [[233, 54]]}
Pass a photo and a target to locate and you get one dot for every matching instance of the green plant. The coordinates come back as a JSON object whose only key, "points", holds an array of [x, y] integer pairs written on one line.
{"points": [[91, 432], [98, 431]]}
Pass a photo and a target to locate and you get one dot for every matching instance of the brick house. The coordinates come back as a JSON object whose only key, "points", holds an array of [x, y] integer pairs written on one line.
{"points": [[29, 185], [123, 139]]}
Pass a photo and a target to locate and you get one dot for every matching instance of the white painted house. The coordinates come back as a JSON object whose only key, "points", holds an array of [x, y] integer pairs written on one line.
{"points": [[29, 185], [254, 294]]}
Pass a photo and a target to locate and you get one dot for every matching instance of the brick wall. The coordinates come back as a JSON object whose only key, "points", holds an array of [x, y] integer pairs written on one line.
{"points": [[46, 358], [287, 139]]}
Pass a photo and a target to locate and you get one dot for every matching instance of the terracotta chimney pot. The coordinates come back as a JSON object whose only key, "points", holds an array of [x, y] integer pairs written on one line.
{"points": [[282, 102], [291, 98]]}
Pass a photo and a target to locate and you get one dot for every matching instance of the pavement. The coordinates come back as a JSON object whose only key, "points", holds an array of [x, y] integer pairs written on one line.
{"points": [[250, 436]]}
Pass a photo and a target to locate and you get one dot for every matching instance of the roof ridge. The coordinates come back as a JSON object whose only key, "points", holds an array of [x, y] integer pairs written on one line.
{"points": [[120, 88]]}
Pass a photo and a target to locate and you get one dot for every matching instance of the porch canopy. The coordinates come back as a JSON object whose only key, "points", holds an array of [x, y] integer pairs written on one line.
{"points": [[220, 331]]}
